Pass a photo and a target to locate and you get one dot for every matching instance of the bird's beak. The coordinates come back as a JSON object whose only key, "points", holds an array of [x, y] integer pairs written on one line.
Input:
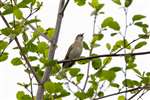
{"points": [[82, 34]]}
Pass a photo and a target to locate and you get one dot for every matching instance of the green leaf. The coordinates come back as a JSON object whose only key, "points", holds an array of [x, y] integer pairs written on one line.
{"points": [[55, 69], [137, 17], [22, 96], [25, 37], [42, 46], [17, 12], [97, 37], [100, 93], [6, 31], [31, 21], [121, 43], [128, 3], [23, 3], [130, 83], [8, 9], [90, 92], [80, 2], [3, 45], [96, 5], [32, 58], [52, 87], [79, 77], [16, 61], [115, 69], [80, 95], [107, 60], [3, 57], [108, 46], [114, 85], [144, 36], [140, 24], [117, 2], [31, 47], [50, 32], [140, 45], [18, 29], [110, 23], [107, 75], [85, 46], [113, 34], [121, 97], [74, 71], [96, 63]]}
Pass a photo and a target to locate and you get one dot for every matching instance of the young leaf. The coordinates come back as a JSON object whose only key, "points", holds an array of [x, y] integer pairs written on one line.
{"points": [[17, 12], [80, 2], [115, 69], [110, 23], [32, 58], [85, 46], [128, 3], [23, 3], [137, 17], [117, 2], [114, 85], [97, 37], [3, 57], [74, 71], [16, 61], [96, 63], [108, 46], [107, 75], [79, 77], [80, 95], [140, 45], [96, 5], [107, 60], [121, 97], [3, 45]]}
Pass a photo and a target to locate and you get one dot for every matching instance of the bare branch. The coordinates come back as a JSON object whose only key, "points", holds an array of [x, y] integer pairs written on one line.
{"points": [[106, 55]]}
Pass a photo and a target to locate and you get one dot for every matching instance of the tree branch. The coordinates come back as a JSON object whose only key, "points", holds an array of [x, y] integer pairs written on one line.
{"points": [[106, 55], [130, 90], [20, 48], [63, 9], [46, 75]]}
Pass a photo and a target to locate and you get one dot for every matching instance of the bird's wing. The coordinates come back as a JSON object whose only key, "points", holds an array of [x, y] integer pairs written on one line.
{"points": [[68, 52]]}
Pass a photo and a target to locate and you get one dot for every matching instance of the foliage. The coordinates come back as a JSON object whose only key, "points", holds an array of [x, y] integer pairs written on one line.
{"points": [[34, 47]]}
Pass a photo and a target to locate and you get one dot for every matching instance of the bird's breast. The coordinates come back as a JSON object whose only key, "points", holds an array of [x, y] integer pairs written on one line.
{"points": [[75, 52]]}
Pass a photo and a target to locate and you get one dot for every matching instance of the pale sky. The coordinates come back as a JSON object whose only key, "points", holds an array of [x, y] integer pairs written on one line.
{"points": [[76, 20]]}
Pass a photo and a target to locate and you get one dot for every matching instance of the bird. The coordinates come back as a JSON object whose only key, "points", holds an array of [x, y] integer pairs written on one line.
{"points": [[74, 51]]}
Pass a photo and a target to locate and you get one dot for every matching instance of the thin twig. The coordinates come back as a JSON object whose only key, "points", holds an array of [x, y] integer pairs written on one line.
{"points": [[142, 94], [130, 90], [73, 83], [88, 67], [135, 94], [106, 55], [124, 44]]}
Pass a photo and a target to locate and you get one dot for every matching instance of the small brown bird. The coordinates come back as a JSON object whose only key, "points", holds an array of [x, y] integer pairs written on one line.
{"points": [[74, 51]]}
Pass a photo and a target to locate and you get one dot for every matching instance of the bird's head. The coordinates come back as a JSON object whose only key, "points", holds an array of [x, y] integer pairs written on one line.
{"points": [[80, 37]]}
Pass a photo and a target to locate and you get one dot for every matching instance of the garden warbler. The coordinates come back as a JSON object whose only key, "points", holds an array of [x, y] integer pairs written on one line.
{"points": [[74, 51]]}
